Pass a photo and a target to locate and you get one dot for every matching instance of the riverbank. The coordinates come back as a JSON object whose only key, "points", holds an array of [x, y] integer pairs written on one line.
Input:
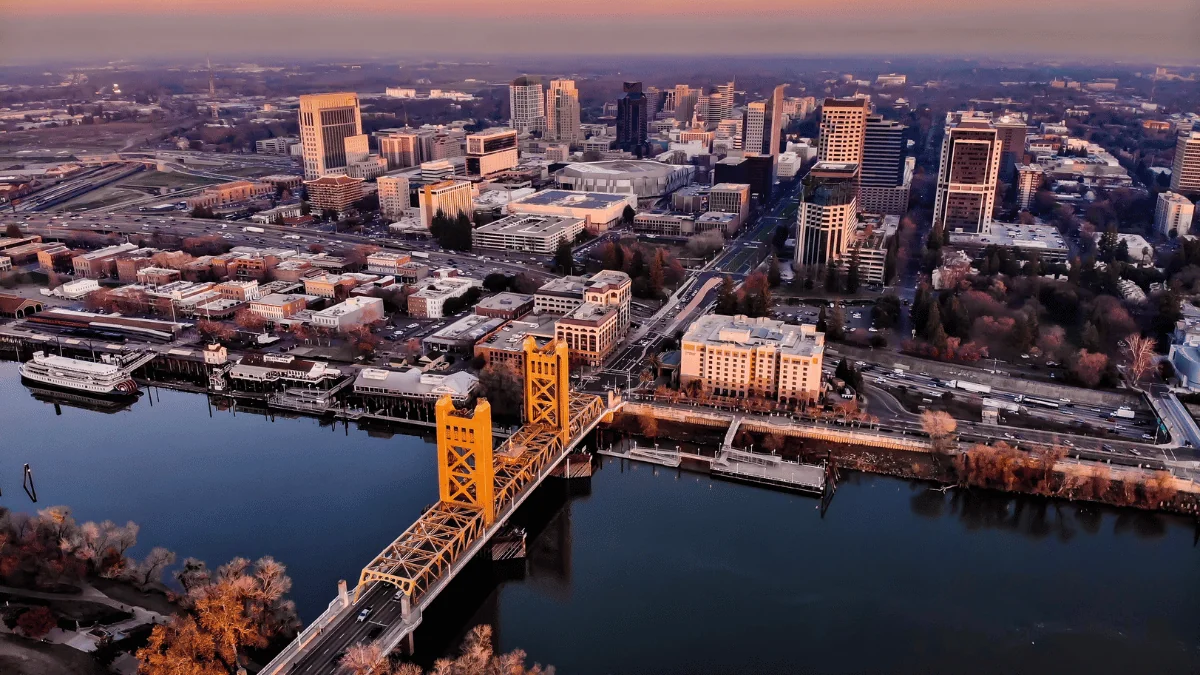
{"points": [[1043, 472]]}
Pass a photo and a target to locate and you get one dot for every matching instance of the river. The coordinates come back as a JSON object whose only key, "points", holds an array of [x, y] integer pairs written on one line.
{"points": [[650, 570]]}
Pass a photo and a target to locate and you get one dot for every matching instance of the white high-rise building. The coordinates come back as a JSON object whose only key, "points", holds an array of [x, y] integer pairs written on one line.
{"points": [[331, 133], [562, 112], [393, 195], [527, 104], [967, 174], [1185, 173], [1174, 212]]}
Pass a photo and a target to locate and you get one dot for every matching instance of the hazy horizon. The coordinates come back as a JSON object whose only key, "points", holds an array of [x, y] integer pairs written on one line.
{"points": [[73, 30]]}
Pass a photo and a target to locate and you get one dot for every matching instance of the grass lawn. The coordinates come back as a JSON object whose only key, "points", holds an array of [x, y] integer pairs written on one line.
{"points": [[159, 179]]}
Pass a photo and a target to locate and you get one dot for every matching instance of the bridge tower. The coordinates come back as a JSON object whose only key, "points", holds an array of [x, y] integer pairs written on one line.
{"points": [[547, 387], [466, 473]]}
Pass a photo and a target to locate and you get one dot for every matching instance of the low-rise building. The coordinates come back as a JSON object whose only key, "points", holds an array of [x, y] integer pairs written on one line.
{"points": [[387, 262], [665, 223], [153, 277], [505, 306], [528, 233], [50, 257], [268, 372], [504, 347], [101, 263], [411, 384], [599, 210], [226, 194], [241, 291], [559, 296], [430, 299], [739, 357], [461, 336], [278, 306], [335, 285], [356, 311]]}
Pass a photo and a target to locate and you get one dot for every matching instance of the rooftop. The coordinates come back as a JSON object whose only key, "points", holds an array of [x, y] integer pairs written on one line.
{"points": [[504, 301], [583, 200], [521, 225], [716, 329], [471, 327]]}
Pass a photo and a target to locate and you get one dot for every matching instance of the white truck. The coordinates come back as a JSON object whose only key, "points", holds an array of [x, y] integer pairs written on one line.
{"points": [[970, 386]]}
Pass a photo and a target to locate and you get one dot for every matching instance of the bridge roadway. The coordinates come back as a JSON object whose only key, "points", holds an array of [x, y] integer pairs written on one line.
{"points": [[428, 556]]}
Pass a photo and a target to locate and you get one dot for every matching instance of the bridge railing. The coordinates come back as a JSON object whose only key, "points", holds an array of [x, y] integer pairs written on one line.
{"points": [[294, 649]]}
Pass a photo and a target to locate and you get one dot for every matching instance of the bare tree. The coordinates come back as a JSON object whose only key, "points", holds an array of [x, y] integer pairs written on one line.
{"points": [[1139, 350]]}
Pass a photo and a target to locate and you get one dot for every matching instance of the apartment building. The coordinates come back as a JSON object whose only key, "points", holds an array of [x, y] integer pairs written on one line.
{"points": [[1185, 172], [1173, 213], [394, 197], [739, 357]]}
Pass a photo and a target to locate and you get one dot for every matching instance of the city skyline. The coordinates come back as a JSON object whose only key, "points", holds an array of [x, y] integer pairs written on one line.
{"points": [[137, 29]]}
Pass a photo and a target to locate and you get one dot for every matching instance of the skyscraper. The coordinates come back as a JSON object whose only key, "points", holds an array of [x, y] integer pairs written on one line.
{"points": [[755, 125], [562, 112], [1185, 173], [882, 187], [527, 104], [967, 174], [331, 134], [1029, 179], [719, 105], [774, 130], [825, 220], [631, 119], [842, 130], [1011, 131]]}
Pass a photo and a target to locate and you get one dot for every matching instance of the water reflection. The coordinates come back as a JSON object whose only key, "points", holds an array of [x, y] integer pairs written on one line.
{"points": [[1030, 516]]}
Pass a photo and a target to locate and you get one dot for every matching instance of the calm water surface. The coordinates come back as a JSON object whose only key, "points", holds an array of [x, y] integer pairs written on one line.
{"points": [[651, 571]]}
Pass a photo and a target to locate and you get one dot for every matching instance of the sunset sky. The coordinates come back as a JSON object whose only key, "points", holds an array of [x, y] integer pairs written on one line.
{"points": [[104, 29]]}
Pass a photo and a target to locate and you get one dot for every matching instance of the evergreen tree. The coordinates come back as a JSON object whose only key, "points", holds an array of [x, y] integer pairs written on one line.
{"points": [[852, 274], [564, 261], [727, 302], [831, 279], [774, 276]]}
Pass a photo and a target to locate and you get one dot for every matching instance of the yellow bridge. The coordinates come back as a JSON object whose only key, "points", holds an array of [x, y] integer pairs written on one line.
{"points": [[479, 487]]}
